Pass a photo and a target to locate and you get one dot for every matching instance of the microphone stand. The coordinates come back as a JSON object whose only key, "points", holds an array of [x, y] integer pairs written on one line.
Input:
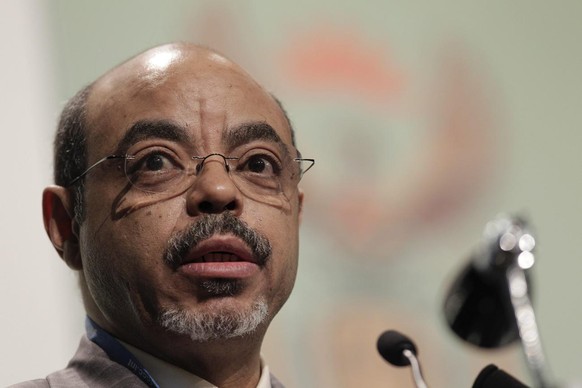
{"points": [[504, 257], [415, 365], [399, 350], [527, 326]]}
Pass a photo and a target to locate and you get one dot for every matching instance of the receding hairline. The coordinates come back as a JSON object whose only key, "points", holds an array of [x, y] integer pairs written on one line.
{"points": [[127, 67], [126, 71]]}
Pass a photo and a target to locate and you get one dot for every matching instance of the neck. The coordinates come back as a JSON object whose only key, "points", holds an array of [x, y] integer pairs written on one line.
{"points": [[228, 363]]}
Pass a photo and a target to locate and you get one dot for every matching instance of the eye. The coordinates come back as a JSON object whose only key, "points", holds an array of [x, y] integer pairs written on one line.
{"points": [[261, 164], [154, 169], [155, 162], [258, 164]]}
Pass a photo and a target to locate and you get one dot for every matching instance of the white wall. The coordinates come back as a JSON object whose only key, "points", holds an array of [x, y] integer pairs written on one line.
{"points": [[37, 293]]}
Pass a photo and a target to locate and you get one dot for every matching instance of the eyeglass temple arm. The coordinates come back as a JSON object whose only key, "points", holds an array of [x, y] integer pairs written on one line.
{"points": [[80, 176], [310, 161]]}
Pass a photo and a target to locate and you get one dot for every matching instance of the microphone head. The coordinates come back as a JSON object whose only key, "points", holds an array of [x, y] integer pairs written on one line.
{"points": [[391, 344], [478, 306], [493, 377]]}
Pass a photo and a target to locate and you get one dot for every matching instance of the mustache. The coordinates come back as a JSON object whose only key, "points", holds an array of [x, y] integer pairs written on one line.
{"points": [[183, 242]]}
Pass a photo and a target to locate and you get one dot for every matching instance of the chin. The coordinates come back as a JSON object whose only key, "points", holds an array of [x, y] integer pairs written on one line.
{"points": [[220, 322]]}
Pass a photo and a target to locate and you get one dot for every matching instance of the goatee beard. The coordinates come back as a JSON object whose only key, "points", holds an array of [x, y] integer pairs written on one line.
{"points": [[221, 324]]}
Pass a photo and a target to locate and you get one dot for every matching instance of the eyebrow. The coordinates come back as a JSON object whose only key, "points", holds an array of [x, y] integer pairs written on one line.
{"points": [[248, 132], [168, 130], [150, 129]]}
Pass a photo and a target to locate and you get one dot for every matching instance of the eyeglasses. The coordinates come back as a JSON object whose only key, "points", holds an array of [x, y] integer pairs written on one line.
{"points": [[158, 170]]}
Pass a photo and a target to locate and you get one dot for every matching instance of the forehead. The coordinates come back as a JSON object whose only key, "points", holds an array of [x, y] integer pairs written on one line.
{"points": [[203, 93]]}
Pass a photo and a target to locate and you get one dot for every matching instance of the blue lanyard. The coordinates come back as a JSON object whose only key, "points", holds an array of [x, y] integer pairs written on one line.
{"points": [[117, 352]]}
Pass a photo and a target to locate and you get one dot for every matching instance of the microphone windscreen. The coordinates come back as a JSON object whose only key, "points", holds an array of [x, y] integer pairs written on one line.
{"points": [[493, 377], [391, 344]]}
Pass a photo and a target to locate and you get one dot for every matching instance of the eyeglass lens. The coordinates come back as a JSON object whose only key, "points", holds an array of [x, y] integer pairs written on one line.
{"points": [[259, 173]]}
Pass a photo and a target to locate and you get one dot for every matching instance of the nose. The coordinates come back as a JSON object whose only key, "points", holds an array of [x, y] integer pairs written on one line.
{"points": [[213, 190]]}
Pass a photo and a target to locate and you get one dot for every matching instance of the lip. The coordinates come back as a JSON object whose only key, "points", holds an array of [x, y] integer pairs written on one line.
{"points": [[222, 256]]}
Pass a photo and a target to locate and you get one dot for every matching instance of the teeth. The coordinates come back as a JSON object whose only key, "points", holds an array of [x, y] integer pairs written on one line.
{"points": [[219, 257]]}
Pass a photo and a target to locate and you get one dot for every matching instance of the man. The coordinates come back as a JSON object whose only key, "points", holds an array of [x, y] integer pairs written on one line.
{"points": [[177, 203]]}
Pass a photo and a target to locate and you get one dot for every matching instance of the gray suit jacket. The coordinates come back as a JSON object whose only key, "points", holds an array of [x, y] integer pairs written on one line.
{"points": [[91, 367]]}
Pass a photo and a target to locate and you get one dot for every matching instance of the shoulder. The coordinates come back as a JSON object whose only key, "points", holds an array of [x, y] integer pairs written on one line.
{"points": [[90, 367]]}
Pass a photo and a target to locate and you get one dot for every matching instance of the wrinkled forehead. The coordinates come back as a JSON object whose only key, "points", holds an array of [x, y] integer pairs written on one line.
{"points": [[203, 93]]}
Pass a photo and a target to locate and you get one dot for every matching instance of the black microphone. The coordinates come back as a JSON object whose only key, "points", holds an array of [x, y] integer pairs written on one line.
{"points": [[399, 350], [391, 344], [493, 377], [489, 303]]}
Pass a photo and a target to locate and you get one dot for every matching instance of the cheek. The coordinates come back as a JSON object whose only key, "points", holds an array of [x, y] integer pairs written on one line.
{"points": [[138, 232], [282, 232], [123, 257]]}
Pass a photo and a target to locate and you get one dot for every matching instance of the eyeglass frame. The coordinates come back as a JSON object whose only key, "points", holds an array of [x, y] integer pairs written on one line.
{"points": [[201, 158]]}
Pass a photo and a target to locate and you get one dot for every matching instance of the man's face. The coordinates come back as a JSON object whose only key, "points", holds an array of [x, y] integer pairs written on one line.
{"points": [[207, 246]]}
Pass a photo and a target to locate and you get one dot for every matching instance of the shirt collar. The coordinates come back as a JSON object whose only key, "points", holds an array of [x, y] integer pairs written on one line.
{"points": [[168, 375]]}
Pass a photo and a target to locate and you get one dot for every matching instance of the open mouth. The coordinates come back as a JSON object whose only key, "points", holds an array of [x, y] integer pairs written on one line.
{"points": [[218, 257], [220, 249]]}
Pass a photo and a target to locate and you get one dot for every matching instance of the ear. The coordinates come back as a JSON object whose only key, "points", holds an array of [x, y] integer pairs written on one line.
{"points": [[300, 205], [60, 225]]}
